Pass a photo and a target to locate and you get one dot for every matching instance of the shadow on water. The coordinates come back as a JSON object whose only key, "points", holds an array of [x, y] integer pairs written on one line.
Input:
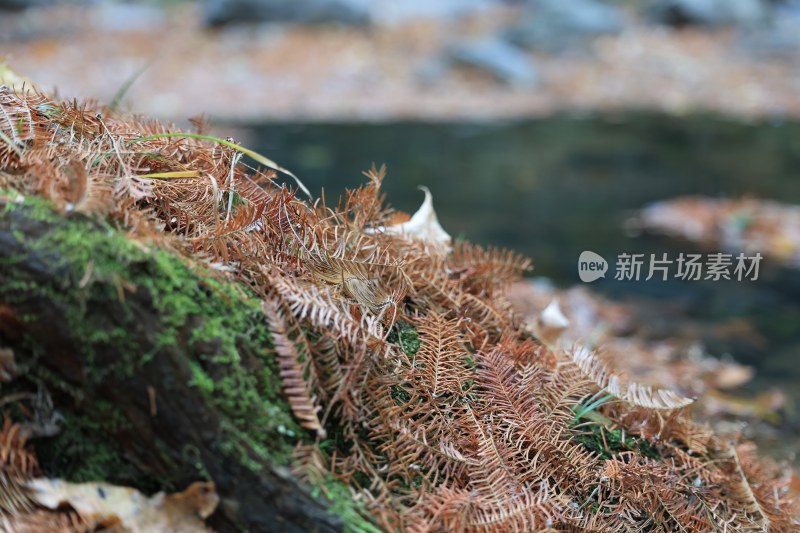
{"points": [[552, 188]]}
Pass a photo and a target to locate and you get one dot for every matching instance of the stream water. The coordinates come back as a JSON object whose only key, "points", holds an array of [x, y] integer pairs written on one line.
{"points": [[552, 188]]}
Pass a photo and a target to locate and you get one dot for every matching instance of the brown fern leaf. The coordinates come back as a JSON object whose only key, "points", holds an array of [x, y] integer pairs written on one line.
{"points": [[309, 302], [235, 235], [20, 120], [15, 459], [78, 120], [651, 492], [763, 505], [444, 509], [669, 426], [534, 510], [41, 520], [636, 394], [483, 270], [309, 464], [537, 437], [297, 390], [418, 437], [495, 477], [325, 356], [15, 498], [17, 464], [364, 205], [440, 364]]}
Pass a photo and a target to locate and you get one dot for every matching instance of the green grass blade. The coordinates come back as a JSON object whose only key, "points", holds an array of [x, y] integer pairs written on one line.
{"points": [[11, 144], [269, 163], [172, 175], [123, 90]]}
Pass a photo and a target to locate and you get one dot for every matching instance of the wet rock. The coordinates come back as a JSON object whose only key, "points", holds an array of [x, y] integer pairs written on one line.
{"points": [[709, 12], [128, 17], [557, 25], [781, 37], [345, 12], [19, 5], [431, 72], [399, 11], [504, 62]]}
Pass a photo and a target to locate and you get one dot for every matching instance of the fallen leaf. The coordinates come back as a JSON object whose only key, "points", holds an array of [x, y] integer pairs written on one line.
{"points": [[551, 322], [423, 225], [104, 505]]}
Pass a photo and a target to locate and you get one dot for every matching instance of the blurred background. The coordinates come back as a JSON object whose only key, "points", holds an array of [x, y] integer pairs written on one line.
{"points": [[547, 126]]}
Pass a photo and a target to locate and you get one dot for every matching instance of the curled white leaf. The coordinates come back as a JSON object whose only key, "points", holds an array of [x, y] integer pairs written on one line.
{"points": [[423, 225], [552, 317]]}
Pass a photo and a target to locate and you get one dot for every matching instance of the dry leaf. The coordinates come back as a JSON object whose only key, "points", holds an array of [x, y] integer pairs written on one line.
{"points": [[765, 406], [551, 323], [423, 225], [104, 505]]}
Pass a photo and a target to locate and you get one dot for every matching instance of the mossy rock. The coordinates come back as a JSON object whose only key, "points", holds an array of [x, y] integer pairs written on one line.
{"points": [[164, 371]]}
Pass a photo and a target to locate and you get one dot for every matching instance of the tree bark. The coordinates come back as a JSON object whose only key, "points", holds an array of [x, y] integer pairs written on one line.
{"points": [[98, 321]]}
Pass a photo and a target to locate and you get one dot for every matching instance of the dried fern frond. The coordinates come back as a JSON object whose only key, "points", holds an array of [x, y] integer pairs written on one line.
{"points": [[17, 465], [640, 395], [317, 306], [41, 520], [765, 503], [325, 355], [15, 499], [356, 282], [486, 269], [535, 433], [650, 492], [293, 370], [15, 459], [534, 510], [440, 362]]}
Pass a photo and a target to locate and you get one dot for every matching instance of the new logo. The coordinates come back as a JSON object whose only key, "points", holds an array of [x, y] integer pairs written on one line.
{"points": [[591, 266]]}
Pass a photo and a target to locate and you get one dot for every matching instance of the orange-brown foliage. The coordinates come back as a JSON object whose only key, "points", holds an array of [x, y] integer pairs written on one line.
{"points": [[474, 431]]}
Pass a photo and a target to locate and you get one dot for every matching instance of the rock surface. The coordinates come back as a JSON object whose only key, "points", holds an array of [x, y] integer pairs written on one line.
{"points": [[502, 61], [346, 12], [555, 26], [709, 12]]}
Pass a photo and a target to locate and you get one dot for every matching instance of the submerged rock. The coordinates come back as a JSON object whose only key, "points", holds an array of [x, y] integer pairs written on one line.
{"points": [[504, 62], [346, 12], [708, 12], [780, 37], [128, 17], [395, 12], [19, 5], [554, 26]]}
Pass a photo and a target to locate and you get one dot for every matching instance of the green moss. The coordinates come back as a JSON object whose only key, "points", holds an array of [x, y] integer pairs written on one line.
{"points": [[200, 379], [400, 395], [238, 444], [84, 451], [232, 364], [609, 443], [220, 319], [353, 513], [407, 337]]}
